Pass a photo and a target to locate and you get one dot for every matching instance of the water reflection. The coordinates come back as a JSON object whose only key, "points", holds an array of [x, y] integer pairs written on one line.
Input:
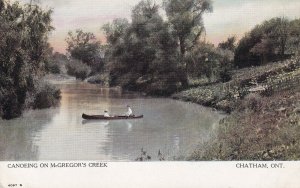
{"points": [[129, 126], [94, 122], [106, 123], [18, 137], [173, 127]]}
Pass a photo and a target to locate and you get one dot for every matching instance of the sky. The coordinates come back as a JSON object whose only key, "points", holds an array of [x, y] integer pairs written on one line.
{"points": [[229, 17]]}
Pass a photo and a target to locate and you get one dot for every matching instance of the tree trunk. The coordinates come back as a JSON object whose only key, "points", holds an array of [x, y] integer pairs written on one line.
{"points": [[183, 78]]}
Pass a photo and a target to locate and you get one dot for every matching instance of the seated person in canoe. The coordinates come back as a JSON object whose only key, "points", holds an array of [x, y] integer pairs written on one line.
{"points": [[106, 114], [129, 112]]}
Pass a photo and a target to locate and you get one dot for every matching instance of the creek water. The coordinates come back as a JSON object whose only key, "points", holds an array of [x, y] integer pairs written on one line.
{"points": [[173, 127]]}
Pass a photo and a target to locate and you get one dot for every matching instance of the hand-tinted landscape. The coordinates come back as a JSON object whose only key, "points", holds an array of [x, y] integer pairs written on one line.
{"points": [[214, 80]]}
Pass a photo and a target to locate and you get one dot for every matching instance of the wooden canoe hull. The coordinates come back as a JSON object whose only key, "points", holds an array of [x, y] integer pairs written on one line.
{"points": [[101, 117]]}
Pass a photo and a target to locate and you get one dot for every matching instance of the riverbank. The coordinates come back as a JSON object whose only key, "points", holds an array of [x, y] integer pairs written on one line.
{"points": [[264, 108], [263, 80], [38, 94]]}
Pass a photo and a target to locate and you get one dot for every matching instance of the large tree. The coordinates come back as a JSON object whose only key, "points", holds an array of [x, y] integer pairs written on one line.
{"points": [[186, 17], [143, 54], [24, 46], [85, 47], [115, 31]]}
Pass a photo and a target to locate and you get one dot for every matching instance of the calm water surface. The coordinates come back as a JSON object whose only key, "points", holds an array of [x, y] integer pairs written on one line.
{"points": [[174, 127]]}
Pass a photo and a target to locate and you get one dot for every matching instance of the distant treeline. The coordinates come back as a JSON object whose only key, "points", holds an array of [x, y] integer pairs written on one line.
{"points": [[24, 49], [273, 40]]}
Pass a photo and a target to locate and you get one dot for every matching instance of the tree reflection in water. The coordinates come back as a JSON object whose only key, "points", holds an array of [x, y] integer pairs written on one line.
{"points": [[18, 136]]}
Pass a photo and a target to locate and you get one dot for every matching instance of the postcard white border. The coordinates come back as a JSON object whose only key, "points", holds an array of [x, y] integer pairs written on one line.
{"points": [[153, 174]]}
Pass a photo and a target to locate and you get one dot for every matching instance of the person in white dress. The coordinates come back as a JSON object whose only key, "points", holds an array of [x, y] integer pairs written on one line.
{"points": [[129, 111], [106, 114]]}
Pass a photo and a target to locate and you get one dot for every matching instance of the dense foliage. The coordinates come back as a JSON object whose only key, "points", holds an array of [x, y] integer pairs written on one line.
{"points": [[23, 51], [272, 40], [78, 69], [148, 54], [186, 18], [229, 44], [143, 55], [84, 47], [209, 61], [56, 63]]}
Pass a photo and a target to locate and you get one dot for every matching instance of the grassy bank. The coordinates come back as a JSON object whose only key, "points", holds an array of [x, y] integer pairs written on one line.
{"points": [[264, 80], [264, 121]]}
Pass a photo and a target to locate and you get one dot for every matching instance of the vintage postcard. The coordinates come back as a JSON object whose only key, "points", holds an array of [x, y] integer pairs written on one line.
{"points": [[142, 90]]}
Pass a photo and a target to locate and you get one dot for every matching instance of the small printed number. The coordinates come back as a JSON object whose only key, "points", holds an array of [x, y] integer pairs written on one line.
{"points": [[14, 185]]}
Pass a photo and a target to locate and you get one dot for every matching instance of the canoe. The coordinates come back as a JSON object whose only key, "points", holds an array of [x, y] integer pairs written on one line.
{"points": [[101, 117]]}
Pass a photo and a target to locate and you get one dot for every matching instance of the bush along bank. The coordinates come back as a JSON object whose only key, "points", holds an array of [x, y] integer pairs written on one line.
{"points": [[100, 78], [41, 95], [46, 96]]}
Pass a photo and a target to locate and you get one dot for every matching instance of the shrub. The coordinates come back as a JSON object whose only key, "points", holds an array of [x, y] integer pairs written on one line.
{"points": [[11, 107], [102, 79], [162, 86], [11, 99], [225, 75], [46, 96], [53, 67], [78, 69]]}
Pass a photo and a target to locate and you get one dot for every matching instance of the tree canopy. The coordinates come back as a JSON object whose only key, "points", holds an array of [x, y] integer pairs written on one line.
{"points": [[85, 47], [143, 54], [186, 17], [229, 44], [24, 49], [266, 42]]}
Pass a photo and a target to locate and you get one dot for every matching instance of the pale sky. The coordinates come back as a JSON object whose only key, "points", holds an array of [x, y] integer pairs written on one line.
{"points": [[230, 17]]}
